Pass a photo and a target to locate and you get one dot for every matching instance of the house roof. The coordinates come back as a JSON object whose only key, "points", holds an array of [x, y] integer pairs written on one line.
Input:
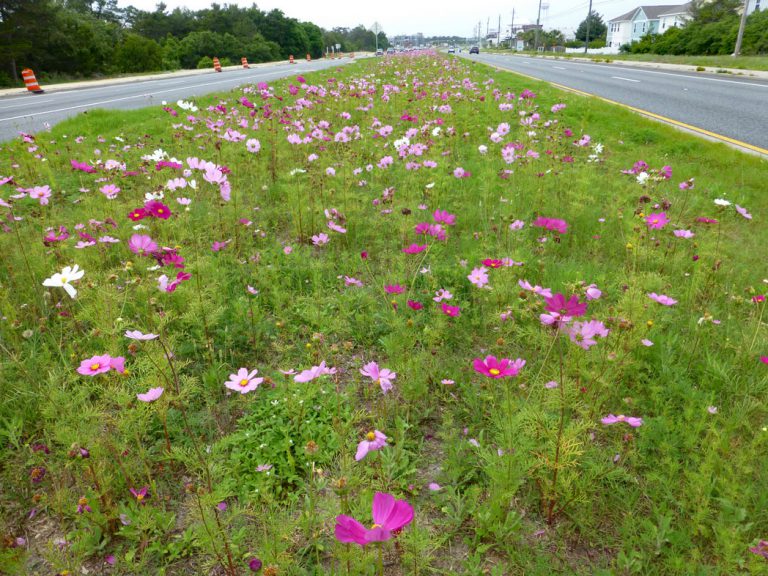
{"points": [[625, 17], [653, 12], [682, 9]]}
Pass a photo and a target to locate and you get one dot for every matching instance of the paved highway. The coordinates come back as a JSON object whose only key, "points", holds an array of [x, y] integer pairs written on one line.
{"points": [[726, 105], [30, 113]]}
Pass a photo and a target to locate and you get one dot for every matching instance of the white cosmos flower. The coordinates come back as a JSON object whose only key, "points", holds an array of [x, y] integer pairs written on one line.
{"points": [[722, 202], [63, 279]]}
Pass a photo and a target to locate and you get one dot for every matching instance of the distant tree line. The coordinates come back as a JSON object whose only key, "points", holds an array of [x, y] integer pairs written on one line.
{"points": [[85, 38], [711, 30]]}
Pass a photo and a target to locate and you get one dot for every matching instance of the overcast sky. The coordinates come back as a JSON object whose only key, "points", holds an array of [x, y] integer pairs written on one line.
{"points": [[430, 17]]}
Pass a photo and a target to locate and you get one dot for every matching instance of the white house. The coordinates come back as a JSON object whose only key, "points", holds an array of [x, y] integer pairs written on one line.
{"points": [[756, 6], [620, 30], [635, 24]]}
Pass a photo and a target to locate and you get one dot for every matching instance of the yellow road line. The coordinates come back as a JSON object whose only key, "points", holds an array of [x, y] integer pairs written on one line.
{"points": [[650, 114]]}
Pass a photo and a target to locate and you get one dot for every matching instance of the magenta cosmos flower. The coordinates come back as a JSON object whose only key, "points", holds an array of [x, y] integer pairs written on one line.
{"points": [[451, 311], [374, 440], [383, 377], [631, 420], [553, 224], [562, 311], [243, 381], [498, 368], [389, 515], [657, 220], [158, 209], [394, 289]]}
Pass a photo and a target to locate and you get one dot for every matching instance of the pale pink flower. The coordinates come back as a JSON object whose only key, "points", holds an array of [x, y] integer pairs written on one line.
{"points": [[314, 372], [442, 294], [243, 381], [662, 299], [374, 440], [151, 395], [383, 377], [634, 422], [136, 335], [479, 277]]}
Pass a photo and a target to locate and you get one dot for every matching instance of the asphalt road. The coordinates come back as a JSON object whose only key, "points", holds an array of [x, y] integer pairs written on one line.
{"points": [[729, 106], [31, 113]]}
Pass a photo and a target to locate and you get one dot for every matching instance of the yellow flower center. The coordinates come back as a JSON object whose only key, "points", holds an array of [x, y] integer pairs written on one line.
{"points": [[370, 436], [95, 366], [495, 371], [159, 210], [243, 382], [83, 501], [63, 279], [139, 496], [374, 526]]}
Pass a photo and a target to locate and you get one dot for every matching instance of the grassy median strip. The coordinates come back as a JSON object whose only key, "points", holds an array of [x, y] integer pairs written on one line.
{"points": [[413, 316]]}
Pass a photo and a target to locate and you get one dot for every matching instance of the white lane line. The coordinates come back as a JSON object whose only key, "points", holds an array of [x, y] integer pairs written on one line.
{"points": [[91, 104], [676, 75], [625, 79], [558, 68]]}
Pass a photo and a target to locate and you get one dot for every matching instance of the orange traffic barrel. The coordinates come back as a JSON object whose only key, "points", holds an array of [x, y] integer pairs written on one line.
{"points": [[216, 65], [30, 81], [309, 58], [244, 62]]}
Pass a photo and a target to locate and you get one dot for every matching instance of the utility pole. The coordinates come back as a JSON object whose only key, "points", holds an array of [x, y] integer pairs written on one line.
{"points": [[538, 21], [589, 15], [498, 33], [737, 50], [512, 30]]}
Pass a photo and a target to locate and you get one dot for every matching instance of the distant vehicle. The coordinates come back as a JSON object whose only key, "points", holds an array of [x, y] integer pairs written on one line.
{"points": [[379, 52], [451, 50], [390, 50], [474, 50]]}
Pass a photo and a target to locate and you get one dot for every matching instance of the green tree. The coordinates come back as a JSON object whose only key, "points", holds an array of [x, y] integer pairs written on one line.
{"points": [[597, 28], [138, 54]]}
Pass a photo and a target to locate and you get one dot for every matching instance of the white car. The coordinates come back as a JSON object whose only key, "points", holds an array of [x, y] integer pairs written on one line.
{"points": [[451, 50]]}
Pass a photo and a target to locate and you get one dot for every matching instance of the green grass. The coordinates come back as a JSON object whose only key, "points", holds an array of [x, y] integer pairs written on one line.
{"points": [[681, 494]]}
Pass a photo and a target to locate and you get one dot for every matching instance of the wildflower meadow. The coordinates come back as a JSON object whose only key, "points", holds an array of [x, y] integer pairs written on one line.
{"points": [[415, 316]]}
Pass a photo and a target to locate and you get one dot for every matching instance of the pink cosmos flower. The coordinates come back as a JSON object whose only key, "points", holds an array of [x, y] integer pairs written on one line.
{"points": [[442, 294], [383, 377], [743, 212], [451, 311], [314, 372], [140, 494], [583, 334], [683, 234], [142, 245], [117, 364], [553, 224], [415, 305], [253, 145], [374, 440], [40, 193], [543, 292], [389, 515], [493, 263], [136, 335], [656, 221], [350, 281], [244, 381], [444, 217], [593, 292], [498, 368], [151, 395], [82, 505], [562, 311], [95, 365], [394, 289], [761, 549], [479, 277], [320, 239], [662, 299], [415, 248], [110, 191], [631, 420]]}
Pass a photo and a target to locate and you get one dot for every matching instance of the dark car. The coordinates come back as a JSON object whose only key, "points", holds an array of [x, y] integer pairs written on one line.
{"points": [[474, 50]]}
